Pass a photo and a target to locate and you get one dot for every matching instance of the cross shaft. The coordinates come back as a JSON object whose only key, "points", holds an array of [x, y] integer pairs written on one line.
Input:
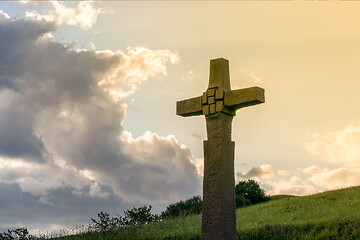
{"points": [[219, 104]]}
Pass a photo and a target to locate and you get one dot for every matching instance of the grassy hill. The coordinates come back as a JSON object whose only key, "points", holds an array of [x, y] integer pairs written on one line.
{"points": [[328, 215]]}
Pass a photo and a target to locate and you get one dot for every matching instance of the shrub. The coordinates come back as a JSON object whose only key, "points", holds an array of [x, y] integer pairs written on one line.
{"points": [[138, 216], [17, 234], [106, 225], [183, 208], [249, 192], [241, 201], [246, 193]]}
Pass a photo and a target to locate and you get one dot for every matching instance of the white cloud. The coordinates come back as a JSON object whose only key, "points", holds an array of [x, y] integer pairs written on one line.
{"points": [[135, 67], [302, 181], [336, 178], [313, 170], [166, 170], [293, 185], [3, 15], [38, 179], [342, 147], [283, 173], [263, 171], [83, 15], [199, 163], [96, 191]]}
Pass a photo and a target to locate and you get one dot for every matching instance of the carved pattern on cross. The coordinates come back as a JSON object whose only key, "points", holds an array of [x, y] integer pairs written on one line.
{"points": [[219, 97], [212, 101]]}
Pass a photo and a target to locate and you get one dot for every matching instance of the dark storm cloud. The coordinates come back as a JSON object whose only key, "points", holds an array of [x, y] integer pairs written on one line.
{"points": [[7, 83], [65, 210], [61, 132], [14, 44], [17, 137]]}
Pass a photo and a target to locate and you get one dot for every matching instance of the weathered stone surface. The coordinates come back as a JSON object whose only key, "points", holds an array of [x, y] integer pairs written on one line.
{"points": [[210, 92], [211, 100], [189, 107], [219, 74], [206, 110], [218, 216], [204, 98], [246, 97], [219, 94], [212, 109], [219, 104]]}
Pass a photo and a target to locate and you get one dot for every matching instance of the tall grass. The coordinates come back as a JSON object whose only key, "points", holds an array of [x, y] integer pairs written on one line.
{"points": [[328, 215]]}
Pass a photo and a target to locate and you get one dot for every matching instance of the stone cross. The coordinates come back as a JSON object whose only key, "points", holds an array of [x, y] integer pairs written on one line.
{"points": [[219, 104]]}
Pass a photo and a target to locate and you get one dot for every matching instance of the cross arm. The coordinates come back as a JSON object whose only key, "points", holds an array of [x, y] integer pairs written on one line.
{"points": [[236, 99], [189, 107]]}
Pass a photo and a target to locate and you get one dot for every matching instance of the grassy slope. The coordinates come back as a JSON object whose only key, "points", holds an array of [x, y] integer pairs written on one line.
{"points": [[328, 215]]}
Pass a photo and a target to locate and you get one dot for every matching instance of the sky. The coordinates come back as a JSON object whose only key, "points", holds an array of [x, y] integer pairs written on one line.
{"points": [[88, 93]]}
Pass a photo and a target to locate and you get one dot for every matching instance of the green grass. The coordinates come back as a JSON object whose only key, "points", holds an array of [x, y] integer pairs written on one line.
{"points": [[328, 215], [283, 196]]}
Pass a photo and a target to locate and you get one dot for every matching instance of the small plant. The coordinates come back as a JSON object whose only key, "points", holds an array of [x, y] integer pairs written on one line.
{"points": [[106, 225], [17, 234], [138, 216]]}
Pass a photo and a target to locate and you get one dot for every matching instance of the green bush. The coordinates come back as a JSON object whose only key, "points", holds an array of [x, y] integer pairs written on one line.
{"points": [[246, 193], [241, 201], [249, 192], [183, 208], [106, 225], [132, 217], [138, 216]]}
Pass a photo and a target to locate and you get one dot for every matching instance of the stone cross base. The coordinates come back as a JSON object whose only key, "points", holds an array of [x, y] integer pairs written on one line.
{"points": [[219, 216]]}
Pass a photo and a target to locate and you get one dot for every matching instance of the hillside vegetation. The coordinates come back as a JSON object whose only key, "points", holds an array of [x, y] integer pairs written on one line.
{"points": [[328, 215]]}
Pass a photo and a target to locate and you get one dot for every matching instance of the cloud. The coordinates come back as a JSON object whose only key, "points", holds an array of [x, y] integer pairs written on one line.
{"points": [[189, 76], [336, 178], [63, 129], [253, 75], [136, 66], [292, 186], [302, 181], [199, 163], [62, 209], [83, 15], [17, 138], [39, 178], [163, 168], [3, 15], [342, 147], [96, 191], [8, 83], [264, 170]]}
